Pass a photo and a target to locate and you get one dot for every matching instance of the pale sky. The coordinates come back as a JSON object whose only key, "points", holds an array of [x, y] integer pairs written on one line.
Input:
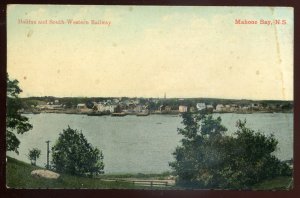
{"points": [[149, 50]]}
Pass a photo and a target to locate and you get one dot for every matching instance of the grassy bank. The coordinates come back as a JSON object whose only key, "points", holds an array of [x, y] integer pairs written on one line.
{"points": [[278, 183], [18, 176], [164, 175]]}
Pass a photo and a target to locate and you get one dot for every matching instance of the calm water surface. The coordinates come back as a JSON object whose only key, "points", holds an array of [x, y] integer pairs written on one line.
{"points": [[144, 144]]}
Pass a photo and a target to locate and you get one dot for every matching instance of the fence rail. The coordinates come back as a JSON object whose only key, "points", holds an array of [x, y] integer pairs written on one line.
{"points": [[144, 182]]}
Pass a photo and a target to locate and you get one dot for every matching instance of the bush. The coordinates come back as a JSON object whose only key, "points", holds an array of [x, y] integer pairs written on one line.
{"points": [[72, 154], [208, 158], [33, 155]]}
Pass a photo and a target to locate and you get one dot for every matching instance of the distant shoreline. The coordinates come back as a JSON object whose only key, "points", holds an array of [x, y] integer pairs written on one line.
{"points": [[74, 111]]}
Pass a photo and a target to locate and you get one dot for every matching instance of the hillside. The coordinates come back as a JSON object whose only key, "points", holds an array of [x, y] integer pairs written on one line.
{"points": [[18, 176]]}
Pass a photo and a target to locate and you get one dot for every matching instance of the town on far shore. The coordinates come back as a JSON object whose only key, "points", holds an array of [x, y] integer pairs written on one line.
{"points": [[122, 106]]}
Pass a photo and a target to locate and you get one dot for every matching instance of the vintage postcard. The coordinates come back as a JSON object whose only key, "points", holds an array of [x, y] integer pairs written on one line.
{"points": [[149, 97]]}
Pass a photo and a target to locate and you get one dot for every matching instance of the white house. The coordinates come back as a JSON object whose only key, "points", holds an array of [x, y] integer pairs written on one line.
{"points": [[104, 107], [57, 107], [234, 107], [183, 108], [81, 106], [101, 107], [200, 106], [209, 107], [220, 107]]}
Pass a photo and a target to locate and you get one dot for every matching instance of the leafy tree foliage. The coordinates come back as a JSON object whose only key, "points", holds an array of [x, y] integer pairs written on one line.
{"points": [[208, 158], [33, 155], [15, 122], [72, 154]]}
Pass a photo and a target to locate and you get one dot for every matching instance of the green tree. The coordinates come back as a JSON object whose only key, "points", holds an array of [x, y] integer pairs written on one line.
{"points": [[15, 122], [33, 155], [208, 158], [250, 160], [72, 154]]}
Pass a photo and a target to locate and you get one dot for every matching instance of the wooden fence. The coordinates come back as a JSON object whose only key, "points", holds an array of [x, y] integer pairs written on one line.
{"points": [[151, 183]]}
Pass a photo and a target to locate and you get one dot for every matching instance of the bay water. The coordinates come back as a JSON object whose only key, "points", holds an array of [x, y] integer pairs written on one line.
{"points": [[144, 144]]}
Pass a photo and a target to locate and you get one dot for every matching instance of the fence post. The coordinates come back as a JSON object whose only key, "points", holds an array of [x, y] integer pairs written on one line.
{"points": [[48, 151]]}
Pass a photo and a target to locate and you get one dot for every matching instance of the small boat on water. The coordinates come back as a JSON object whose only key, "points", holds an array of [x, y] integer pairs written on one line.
{"points": [[33, 112], [244, 112], [143, 113], [118, 114], [97, 114]]}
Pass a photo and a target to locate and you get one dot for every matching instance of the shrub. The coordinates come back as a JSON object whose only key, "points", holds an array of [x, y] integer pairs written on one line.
{"points": [[72, 154], [33, 155], [208, 158]]}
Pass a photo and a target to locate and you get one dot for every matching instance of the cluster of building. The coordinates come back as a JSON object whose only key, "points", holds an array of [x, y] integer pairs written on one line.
{"points": [[135, 106], [183, 108], [51, 106], [253, 107], [114, 106], [221, 108], [245, 108]]}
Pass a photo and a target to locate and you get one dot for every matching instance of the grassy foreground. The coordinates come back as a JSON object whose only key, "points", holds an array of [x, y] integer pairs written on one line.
{"points": [[278, 183], [18, 176]]}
